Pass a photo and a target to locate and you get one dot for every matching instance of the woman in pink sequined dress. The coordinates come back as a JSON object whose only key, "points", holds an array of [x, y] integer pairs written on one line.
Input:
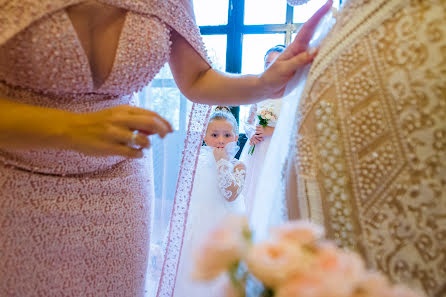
{"points": [[74, 190]]}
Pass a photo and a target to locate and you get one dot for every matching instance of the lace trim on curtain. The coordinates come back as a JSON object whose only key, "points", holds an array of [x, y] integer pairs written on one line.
{"points": [[196, 130]]}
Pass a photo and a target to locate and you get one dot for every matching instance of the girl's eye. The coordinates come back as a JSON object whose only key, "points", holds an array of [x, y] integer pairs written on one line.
{"points": [[228, 135], [214, 135]]}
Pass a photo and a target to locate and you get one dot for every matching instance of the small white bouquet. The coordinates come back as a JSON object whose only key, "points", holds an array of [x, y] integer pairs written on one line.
{"points": [[266, 116]]}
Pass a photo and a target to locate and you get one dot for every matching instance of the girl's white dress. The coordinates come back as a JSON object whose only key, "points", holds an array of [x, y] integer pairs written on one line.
{"points": [[254, 162], [214, 183]]}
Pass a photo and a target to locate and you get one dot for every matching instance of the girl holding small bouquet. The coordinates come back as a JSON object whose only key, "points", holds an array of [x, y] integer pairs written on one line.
{"points": [[259, 128], [217, 186]]}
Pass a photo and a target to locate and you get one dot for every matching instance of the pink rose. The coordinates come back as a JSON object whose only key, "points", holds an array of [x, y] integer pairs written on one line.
{"points": [[303, 285], [373, 284], [343, 270], [274, 262], [298, 232], [222, 248], [333, 273], [228, 289]]}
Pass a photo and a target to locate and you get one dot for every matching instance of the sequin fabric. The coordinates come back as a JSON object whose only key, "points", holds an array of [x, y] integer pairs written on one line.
{"points": [[72, 225], [369, 147]]}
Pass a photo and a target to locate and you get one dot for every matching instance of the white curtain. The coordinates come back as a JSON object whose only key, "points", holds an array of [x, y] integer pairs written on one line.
{"points": [[163, 97]]}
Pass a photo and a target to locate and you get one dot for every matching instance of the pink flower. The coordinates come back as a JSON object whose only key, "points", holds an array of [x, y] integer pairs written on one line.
{"points": [[333, 273], [304, 285], [373, 284], [319, 283], [298, 232], [274, 262], [222, 248], [343, 270], [228, 289]]}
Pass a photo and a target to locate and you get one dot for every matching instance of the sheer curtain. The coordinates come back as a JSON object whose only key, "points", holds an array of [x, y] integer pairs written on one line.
{"points": [[163, 97]]}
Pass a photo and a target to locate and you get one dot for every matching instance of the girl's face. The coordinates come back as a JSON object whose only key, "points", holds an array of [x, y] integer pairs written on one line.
{"points": [[219, 133]]}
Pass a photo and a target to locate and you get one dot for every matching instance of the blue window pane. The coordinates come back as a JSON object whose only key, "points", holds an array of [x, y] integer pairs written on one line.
{"points": [[211, 12], [259, 12]]}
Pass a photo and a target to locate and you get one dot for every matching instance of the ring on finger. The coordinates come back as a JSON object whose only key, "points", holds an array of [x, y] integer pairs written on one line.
{"points": [[132, 141]]}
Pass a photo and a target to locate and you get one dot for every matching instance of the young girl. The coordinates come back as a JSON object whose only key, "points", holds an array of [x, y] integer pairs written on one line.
{"points": [[218, 183], [259, 136]]}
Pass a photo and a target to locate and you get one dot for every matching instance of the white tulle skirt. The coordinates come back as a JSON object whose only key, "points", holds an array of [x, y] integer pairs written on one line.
{"points": [[254, 164], [207, 209]]}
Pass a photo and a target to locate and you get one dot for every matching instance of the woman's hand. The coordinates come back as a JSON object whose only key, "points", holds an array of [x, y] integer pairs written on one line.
{"points": [[110, 132], [255, 140], [264, 131], [220, 153], [296, 55]]}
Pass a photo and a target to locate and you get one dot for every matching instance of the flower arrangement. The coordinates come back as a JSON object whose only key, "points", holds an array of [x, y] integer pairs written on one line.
{"points": [[294, 262], [266, 115]]}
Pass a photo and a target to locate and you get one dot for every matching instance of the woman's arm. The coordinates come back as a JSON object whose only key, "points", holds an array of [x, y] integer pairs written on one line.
{"points": [[24, 126], [104, 133], [202, 84]]}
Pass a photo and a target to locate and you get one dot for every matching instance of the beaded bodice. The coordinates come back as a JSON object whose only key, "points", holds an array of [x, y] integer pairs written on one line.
{"points": [[370, 138], [43, 63], [56, 63]]}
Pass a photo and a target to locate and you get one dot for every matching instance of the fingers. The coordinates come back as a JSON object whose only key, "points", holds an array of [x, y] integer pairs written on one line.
{"points": [[149, 113], [124, 136], [305, 34], [147, 125], [300, 60], [256, 139]]}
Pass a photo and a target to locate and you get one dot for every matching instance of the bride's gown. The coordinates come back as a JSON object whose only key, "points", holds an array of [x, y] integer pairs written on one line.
{"points": [[368, 155], [254, 162], [215, 182]]}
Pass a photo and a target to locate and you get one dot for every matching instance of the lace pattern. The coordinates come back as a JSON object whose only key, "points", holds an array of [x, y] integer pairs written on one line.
{"points": [[370, 157], [231, 178]]}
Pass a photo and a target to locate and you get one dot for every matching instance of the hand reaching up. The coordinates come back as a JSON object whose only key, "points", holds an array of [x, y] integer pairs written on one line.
{"points": [[295, 56]]}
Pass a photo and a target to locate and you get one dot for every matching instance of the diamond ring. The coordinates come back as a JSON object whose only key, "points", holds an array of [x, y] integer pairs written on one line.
{"points": [[132, 141]]}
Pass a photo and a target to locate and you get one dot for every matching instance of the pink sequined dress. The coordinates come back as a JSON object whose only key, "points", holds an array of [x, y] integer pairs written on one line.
{"points": [[72, 225]]}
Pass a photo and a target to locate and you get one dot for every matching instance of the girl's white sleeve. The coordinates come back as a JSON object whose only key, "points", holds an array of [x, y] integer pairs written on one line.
{"points": [[231, 178]]}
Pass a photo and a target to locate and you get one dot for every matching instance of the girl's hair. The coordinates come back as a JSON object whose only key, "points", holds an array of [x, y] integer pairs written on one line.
{"points": [[278, 48], [224, 113]]}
